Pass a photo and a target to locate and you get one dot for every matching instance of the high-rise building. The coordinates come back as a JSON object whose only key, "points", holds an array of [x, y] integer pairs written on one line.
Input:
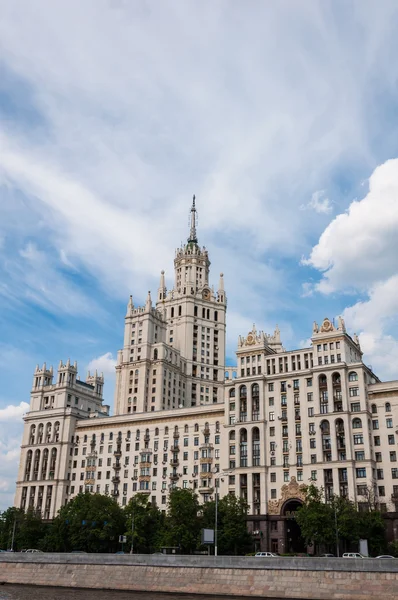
{"points": [[261, 430]]}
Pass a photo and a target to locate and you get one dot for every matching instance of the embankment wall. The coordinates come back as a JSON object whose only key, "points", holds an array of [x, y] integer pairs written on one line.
{"points": [[305, 578]]}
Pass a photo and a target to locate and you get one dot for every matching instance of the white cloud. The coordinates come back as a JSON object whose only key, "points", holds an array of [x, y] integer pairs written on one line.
{"points": [[358, 251], [103, 364], [10, 443], [360, 247], [319, 203], [13, 412]]}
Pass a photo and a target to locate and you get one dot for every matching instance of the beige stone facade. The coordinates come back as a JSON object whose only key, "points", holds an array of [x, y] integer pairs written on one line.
{"points": [[274, 422]]}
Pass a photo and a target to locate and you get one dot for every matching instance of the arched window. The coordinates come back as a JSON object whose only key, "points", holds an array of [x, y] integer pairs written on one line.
{"points": [[232, 436], [44, 464], [217, 426], [36, 463], [137, 372], [56, 431], [216, 315], [255, 390], [32, 434], [102, 437], [48, 432], [206, 425], [196, 428], [157, 431], [353, 376], [85, 439], [185, 428], [388, 407], [128, 434], [243, 391], [137, 434], [40, 433], [28, 465], [325, 427], [110, 436], [155, 354], [374, 409], [322, 381], [336, 379], [166, 431], [147, 432], [255, 447], [232, 393], [356, 423], [53, 461]]}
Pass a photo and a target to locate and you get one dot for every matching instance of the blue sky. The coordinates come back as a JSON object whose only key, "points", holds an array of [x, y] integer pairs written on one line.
{"points": [[282, 119]]}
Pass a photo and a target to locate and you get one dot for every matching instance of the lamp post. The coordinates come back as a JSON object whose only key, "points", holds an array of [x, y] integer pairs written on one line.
{"points": [[217, 476]]}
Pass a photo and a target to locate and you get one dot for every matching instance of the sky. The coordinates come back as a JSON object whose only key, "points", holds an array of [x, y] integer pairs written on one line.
{"points": [[280, 116]]}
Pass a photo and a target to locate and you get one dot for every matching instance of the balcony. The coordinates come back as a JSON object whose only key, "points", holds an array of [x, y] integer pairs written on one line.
{"points": [[175, 448], [206, 446], [174, 463], [117, 466], [117, 452], [116, 479], [394, 497], [174, 476], [115, 493], [205, 489]]}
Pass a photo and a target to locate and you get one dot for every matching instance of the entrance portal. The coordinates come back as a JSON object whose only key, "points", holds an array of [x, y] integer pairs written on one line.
{"points": [[293, 540]]}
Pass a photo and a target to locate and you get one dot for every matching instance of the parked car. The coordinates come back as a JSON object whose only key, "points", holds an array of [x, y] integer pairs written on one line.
{"points": [[32, 551], [3, 550], [353, 555], [326, 556], [266, 554], [385, 556]]}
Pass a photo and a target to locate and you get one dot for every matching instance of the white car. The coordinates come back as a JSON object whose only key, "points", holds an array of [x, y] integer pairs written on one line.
{"points": [[266, 554], [353, 555], [33, 551]]}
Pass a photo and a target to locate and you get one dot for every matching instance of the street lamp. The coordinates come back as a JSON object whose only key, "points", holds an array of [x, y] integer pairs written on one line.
{"points": [[217, 476]]}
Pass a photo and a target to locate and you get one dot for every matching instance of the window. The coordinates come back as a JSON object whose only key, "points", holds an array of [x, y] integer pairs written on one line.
{"points": [[311, 411], [313, 475], [360, 472], [394, 473], [352, 376], [393, 456], [309, 382], [273, 493], [358, 438], [378, 457], [391, 440], [273, 477], [310, 397], [312, 443], [270, 387], [376, 440], [359, 455], [286, 476], [375, 424], [271, 416], [382, 491], [356, 423], [387, 407], [374, 409], [271, 402], [389, 423], [380, 474], [353, 391]]}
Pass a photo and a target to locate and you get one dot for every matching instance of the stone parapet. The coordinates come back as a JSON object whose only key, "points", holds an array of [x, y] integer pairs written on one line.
{"points": [[306, 578]]}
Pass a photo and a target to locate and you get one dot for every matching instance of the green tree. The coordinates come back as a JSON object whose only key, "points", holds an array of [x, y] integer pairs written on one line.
{"points": [[315, 519], [319, 521], [182, 523], [90, 522], [232, 534], [28, 527], [148, 524]]}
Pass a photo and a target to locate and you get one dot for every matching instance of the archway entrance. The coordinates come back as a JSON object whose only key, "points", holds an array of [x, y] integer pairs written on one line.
{"points": [[293, 540]]}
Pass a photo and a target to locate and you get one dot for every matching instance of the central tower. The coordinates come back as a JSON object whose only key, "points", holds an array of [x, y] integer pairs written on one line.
{"points": [[195, 317]]}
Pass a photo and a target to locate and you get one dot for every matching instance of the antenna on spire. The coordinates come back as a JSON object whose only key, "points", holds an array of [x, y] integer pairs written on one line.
{"points": [[193, 222]]}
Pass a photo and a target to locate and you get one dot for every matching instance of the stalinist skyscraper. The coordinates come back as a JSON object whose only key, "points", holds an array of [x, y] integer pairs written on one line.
{"points": [[182, 338]]}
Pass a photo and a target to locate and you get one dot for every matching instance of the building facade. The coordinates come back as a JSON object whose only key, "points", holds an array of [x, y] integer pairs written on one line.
{"points": [[261, 430]]}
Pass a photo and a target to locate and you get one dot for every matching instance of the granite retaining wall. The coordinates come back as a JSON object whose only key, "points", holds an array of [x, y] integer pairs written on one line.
{"points": [[305, 578]]}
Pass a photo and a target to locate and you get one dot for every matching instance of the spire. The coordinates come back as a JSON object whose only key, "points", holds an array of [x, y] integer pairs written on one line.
{"points": [[221, 284], [162, 287], [192, 231], [148, 304], [130, 306]]}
